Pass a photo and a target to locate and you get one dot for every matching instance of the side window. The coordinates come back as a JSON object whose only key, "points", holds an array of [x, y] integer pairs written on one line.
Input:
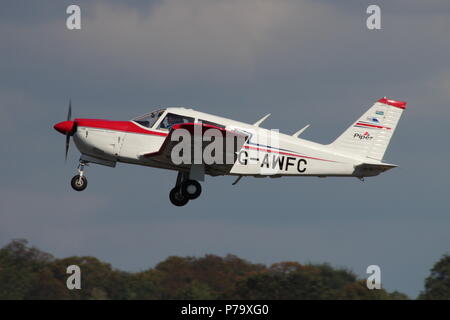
{"points": [[172, 119], [211, 123], [149, 121]]}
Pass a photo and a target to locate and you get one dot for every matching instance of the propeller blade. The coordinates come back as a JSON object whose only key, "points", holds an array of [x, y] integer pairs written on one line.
{"points": [[69, 113], [69, 116], [67, 144]]}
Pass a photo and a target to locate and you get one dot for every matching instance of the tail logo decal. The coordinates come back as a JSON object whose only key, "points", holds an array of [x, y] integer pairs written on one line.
{"points": [[364, 124], [373, 119], [365, 136]]}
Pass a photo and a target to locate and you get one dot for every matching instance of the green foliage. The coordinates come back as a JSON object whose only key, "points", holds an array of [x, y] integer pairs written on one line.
{"points": [[218, 275], [28, 273], [437, 285], [290, 280], [21, 270]]}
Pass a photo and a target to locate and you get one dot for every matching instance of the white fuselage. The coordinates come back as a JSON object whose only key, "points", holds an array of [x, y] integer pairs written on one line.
{"points": [[128, 141]]}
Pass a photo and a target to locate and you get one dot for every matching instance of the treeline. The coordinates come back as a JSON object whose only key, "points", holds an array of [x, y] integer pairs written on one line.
{"points": [[29, 273]]}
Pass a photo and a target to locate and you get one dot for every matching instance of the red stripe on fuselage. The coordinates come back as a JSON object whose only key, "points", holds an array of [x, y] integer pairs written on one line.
{"points": [[124, 126], [286, 153]]}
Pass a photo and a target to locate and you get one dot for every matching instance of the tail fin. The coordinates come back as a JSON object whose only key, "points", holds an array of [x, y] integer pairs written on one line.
{"points": [[370, 135]]}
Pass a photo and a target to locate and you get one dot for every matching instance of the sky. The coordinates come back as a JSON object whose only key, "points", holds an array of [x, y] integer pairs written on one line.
{"points": [[304, 61]]}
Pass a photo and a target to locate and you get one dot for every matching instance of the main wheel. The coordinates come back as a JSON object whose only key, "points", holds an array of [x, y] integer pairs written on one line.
{"points": [[191, 189], [177, 198], [78, 183]]}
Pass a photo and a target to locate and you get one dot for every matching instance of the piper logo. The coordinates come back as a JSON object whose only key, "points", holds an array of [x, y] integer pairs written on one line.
{"points": [[365, 136]]}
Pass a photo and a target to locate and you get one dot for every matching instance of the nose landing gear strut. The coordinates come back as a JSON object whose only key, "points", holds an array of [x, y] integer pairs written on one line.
{"points": [[79, 182]]}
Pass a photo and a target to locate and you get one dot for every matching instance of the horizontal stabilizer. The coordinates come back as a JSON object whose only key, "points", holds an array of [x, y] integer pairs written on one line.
{"points": [[372, 169]]}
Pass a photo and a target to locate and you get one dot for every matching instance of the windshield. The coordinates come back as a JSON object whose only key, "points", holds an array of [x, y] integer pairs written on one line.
{"points": [[149, 119]]}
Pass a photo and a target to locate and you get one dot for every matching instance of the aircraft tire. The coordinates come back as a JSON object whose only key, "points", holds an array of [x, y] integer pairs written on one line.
{"points": [[191, 189], [78, 184], [177, 198]]}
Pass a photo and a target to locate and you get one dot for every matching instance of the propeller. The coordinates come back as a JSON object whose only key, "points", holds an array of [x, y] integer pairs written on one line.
{"points": [[67, 127], [68, 134]]}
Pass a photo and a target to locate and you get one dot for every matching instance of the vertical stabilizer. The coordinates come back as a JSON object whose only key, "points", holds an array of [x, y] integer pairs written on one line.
{"points": [[370, 135]]}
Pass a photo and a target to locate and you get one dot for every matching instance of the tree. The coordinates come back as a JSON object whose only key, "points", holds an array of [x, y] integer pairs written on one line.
{"points": [[28, 273], [437, 285], [291, 280], [98, 279], [145, 285], [219, 275], [19, 268], [358, 291]]}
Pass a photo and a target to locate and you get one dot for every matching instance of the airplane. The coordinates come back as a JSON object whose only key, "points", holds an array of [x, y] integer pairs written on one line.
{"points": [[147, 140]]}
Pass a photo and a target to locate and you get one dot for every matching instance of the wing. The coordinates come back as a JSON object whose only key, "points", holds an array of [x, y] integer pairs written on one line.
{"points": [[201, 146]]}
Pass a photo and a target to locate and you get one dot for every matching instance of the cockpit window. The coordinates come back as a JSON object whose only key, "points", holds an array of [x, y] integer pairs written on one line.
{"points": [[149, 119], [172, 119]]}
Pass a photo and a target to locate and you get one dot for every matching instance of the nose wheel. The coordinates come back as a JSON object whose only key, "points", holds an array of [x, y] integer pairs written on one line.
{"points": [[79, 182], [184, 190]]}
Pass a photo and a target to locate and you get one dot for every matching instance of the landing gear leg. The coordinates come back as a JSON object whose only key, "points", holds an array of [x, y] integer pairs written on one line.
{"points": [[79, 182], [176, 196], [184, 190]]}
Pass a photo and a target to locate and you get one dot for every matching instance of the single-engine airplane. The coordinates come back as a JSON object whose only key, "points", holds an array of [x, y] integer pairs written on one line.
{"points": [[149, 140]]}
